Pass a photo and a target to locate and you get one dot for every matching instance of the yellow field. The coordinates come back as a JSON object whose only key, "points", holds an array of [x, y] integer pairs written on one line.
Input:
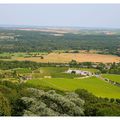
{"points": [[67, 57]]}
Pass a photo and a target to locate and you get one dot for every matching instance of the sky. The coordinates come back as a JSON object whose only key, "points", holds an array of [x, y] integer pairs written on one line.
{"points": [[75, 15]]}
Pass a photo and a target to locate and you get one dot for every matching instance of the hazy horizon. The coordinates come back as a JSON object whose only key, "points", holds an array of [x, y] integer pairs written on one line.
{"points": [[61, 15]]}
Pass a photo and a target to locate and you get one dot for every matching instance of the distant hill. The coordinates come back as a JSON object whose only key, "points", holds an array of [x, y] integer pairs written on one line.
{"points": [[28, 39]]}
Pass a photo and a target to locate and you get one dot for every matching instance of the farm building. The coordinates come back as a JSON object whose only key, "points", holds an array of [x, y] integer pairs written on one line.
{"points": [[80, 72]]}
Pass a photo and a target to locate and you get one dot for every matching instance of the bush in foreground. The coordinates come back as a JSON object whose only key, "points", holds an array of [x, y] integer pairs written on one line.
{"points": [[4, 106], [52, 104]]}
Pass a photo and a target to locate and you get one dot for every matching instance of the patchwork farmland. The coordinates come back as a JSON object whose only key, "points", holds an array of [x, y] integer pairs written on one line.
{"points": [[67, 57], [54, 72]]}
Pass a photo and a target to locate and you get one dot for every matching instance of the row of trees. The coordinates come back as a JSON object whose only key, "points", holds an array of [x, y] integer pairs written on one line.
{"points": [[112, 68]]}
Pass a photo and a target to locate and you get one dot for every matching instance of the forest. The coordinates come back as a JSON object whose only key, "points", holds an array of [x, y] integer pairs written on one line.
{"points": [[35, 41]]}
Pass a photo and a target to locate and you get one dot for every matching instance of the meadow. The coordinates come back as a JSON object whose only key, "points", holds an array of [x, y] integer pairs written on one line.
{"points": [[53, 72], [112, 77], [92, 84], [93, 70]]}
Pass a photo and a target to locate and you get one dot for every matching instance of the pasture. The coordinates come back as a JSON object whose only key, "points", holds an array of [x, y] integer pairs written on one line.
{"points": [[92, 84], [93, 70], [112, 77]]}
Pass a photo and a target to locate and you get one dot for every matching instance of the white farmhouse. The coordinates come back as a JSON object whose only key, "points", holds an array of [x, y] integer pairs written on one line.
{"points": [[79, 72]]}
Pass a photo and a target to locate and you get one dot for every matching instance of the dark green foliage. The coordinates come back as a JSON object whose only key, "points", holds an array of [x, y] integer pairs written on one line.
{"points": [[85, 95], [102, 67], [5, 57], [5, 65], [115, 68], [73, 63], [112, 100], [103, 109], [12, 92], [118, 101], [112, 68], [5, 109], [18, 64], [34, 41], [18, 107]]}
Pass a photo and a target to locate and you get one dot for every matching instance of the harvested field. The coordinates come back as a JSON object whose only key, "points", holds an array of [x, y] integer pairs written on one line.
{"points": [[67, 57]]}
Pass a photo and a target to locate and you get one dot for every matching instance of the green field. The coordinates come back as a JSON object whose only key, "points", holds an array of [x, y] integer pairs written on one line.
{"points": [[112, 77], [21, 54], [22, 70], [89, 69], [92, 84], [54, 72], [67, 82]]}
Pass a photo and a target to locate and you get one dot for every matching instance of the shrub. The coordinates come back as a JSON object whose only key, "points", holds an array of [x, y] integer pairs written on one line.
{"points": [[50, 103], [103, 109], [4, 106]]}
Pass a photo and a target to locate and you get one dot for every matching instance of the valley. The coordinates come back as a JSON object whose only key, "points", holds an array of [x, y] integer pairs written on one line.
{"points": [[56, 68]]}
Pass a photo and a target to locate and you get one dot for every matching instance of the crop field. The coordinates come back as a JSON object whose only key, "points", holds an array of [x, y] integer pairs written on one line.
{"points": [[60, 57], [67, 57], [112, 77], [92, 84]]}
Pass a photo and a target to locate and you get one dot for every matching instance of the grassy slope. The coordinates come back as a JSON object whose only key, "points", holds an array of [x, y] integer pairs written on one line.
{"points": [[112, 77], [93, 84]]}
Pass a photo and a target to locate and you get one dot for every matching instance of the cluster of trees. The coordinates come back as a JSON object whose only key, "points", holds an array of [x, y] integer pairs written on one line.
{"points": [[30, 41], [18, 64], [5, 57], [74, 63], [113, 68], [34, 65], [10, 93], [5, 65]]}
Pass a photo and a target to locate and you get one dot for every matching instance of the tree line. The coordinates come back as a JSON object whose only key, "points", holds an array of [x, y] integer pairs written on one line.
{"points": [[111, 68]]}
